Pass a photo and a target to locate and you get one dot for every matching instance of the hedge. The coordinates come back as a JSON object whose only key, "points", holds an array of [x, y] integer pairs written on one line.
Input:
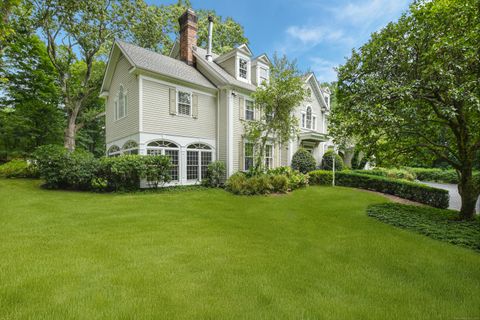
{"points": [[401, 188], [435, 174], [389, 173], [18, 169]]}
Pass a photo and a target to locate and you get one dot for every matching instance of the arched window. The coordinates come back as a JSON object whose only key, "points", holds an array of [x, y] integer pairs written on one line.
{"points": [[121, 103], [168, 149], [130, 147], [113, 151], [199, 156], [309, 118]]}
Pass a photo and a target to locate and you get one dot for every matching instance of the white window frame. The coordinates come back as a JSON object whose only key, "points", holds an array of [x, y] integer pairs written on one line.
{"points": [[245, 154], [237, 68], [116, 103], [270, 158], [314, 122], [307, 125], [199, 159], [249, 110], [178, 103], [267, 70], [162, 152], [303, 120]]}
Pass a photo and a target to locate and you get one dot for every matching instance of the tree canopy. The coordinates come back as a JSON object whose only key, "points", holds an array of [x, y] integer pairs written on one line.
{"points": [[415, 87]]}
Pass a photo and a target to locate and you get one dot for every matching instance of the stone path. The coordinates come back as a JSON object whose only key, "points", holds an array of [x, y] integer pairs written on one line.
{"points": [[455, 200]]}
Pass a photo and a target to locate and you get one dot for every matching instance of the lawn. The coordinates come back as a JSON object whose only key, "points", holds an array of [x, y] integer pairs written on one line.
{"points": [[206, 254]]}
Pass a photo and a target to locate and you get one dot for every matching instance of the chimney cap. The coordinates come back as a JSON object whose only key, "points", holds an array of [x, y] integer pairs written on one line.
{"points": [[188, 15], [210, 18]]}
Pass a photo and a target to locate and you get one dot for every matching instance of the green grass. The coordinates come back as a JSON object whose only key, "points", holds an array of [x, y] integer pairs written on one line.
{"points": [[435, 223], [207, 254]]}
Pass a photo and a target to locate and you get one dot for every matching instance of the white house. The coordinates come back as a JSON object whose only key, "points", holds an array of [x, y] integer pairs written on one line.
{"points": [[192, 105]]}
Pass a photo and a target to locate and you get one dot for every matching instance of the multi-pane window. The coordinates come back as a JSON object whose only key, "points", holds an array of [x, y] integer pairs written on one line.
{"points": [[184, 103], [263, 75], [303, 120], [168, 149], [268, 156], [199, 156], [130, 147], [249, 110], [113, 151], [121, 103], [314, 123], [192, 165], [309, 118], [248, 155], [242, 68]]}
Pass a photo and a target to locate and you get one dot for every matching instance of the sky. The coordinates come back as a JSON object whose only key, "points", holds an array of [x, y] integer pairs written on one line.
{"points": [[319, 34]]}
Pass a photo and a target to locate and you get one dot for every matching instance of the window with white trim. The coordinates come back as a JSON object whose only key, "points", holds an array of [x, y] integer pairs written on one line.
{"points": [[303, 120], [121, 103], [242, 68], [249, 110], [130, 147], [314, 123], [268, 156], [199, 156], [114, 151], [184, 103], [248, 155], [168, 149], [263, 75], [309, 118]]}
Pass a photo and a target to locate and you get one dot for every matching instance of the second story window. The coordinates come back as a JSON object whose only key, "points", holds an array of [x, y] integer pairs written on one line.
{"points": [[184, 106], [121, 103], [263, 75], [309, 118], [242, 68], [303, 120], [249, 110]]}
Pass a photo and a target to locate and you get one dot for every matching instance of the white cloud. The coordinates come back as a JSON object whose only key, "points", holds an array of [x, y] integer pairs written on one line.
{"points": [[368, 12], [314, 34], [324, 69]]}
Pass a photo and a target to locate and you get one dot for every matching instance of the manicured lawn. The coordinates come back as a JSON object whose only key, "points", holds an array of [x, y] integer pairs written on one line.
{"points": [[312, 254]]}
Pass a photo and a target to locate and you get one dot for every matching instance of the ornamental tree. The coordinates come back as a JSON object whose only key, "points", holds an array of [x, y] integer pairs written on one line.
{"points": [[276, 103], [415, 87]]}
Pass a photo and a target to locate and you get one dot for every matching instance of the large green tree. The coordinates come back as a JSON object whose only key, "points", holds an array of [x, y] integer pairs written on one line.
{"points": [[275, 103], [415, 87]]}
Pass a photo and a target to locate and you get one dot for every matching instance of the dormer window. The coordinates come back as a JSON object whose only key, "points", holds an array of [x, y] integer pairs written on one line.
{"points": [[263, 75], [242, 68]]}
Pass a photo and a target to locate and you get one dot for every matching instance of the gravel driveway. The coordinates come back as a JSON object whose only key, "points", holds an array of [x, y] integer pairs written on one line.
{"points": [[455, 200]]}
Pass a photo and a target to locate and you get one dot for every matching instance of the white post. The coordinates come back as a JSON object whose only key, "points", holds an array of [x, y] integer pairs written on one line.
{"points": [[333, 167]]}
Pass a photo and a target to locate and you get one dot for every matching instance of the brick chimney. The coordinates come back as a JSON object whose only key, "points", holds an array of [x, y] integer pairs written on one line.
{"points": [[188, 36]]}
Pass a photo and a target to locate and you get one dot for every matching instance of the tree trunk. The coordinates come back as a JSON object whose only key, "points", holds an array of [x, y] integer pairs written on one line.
{"points": [[468, 192], [70, 134], [348, 156]]}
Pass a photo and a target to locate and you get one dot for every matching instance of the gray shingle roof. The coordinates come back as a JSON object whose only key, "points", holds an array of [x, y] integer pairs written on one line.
{"points": [[155, 62], [201, 54]]}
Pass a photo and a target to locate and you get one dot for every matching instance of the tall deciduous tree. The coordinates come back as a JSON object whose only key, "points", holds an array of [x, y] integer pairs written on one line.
{"points": [[276, 103], [415, 86]]}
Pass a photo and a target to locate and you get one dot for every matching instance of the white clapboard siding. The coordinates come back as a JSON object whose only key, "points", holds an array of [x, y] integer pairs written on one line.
{"points": [[129, 124], [157, 117]]}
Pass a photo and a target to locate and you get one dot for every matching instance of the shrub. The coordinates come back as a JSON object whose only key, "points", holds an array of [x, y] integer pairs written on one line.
{"points": [[435, 175], [18, 169], [303, 161], [327, 161], [279, 183], [296, 179], [390, 173], [215, 174], [123, 173], [438, 224], [402, 188], [65, 169], [237, 183], [156, 170]]}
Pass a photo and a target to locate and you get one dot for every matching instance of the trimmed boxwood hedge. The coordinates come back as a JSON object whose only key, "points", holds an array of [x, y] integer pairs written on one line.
{"points": [[401, 188]]}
